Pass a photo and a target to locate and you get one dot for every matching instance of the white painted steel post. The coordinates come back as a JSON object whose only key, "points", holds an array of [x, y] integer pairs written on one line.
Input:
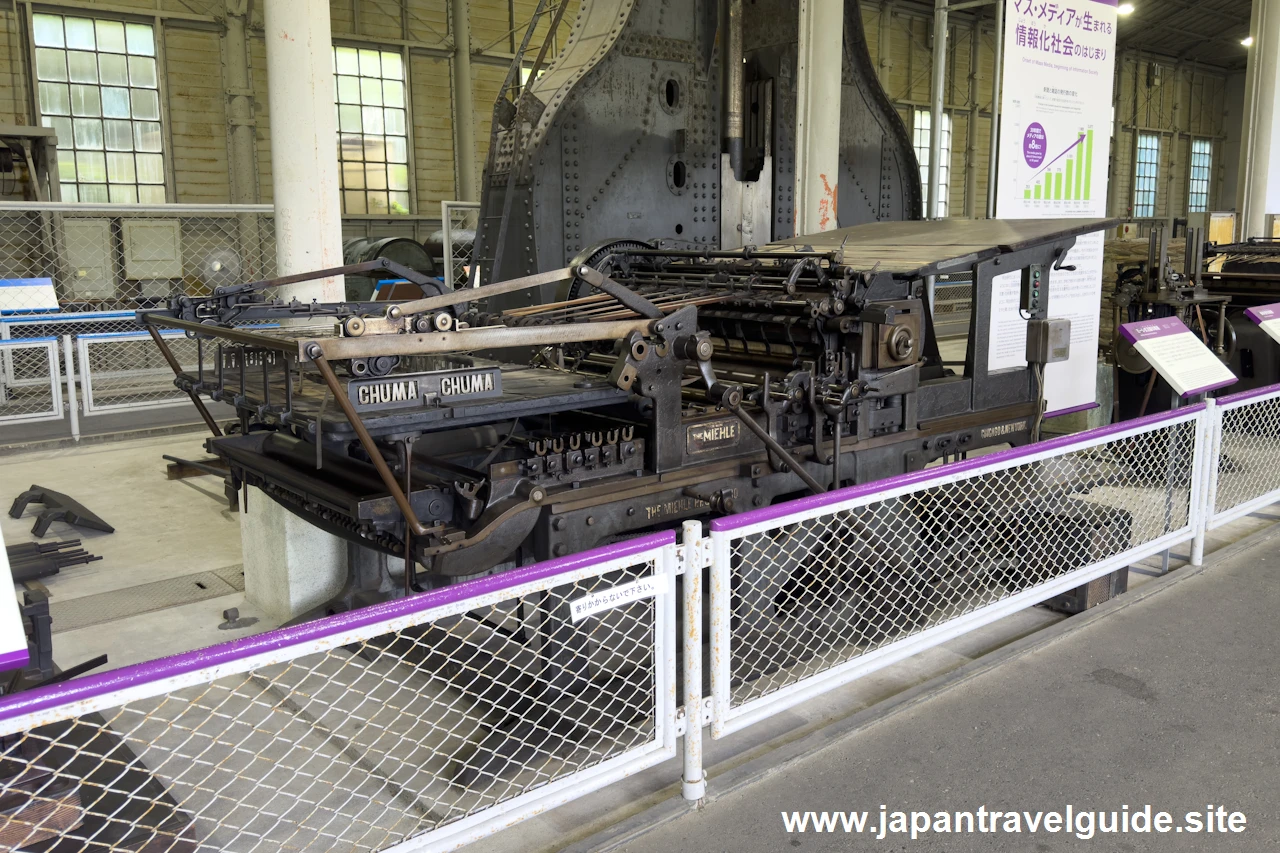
{"points": [[1202, 491], [935, 113], [818, 65], [73, 407], [693, 784], [997, 70], [1258, 191], [304, 145]]}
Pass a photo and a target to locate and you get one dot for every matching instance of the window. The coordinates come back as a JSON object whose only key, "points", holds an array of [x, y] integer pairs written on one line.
{"points": [[921, 127], [373, 142], [1201, 167], [1144, 175], [98, 88]]}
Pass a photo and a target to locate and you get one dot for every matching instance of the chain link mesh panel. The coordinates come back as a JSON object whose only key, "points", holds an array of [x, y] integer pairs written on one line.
{"points": [[127, 370], [818, 593], [30, 386], [1248, 449], [361, 746], [460, 219]]}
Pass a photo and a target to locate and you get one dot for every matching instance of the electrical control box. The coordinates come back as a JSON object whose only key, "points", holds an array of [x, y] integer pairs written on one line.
{"points": [[1033, 279], [1048, 341]]}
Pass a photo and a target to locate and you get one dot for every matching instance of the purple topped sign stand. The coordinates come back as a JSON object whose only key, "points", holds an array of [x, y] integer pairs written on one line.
{"points": [[1178, 355]]}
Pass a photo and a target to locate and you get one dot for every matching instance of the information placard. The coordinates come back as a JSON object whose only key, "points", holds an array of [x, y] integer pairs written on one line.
{"points": [[1178, 355], [1055, 131], [1267, 317]]}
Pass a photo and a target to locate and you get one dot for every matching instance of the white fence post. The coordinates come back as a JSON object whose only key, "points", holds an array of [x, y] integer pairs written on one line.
{"points": [[73, 406], [693, 784], [1201, 493]]}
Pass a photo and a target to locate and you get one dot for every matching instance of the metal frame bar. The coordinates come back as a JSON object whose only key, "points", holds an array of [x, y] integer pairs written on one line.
{"points": [[82, 343], [1215, 518], [726, 718], [50, 346]]}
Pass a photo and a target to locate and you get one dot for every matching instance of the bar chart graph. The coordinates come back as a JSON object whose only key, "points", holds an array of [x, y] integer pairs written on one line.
{"points": [[1068, 176]]}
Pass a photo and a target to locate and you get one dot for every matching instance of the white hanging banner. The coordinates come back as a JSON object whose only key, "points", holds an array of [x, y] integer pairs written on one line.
{"points": [[1055, 133]]}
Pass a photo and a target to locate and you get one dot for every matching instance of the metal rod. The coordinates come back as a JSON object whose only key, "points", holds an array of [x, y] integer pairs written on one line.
{"points": [[234, 335], [473, 294], [177, 371], [366, 441], [734, 95], [410, 569], [773, 445]]}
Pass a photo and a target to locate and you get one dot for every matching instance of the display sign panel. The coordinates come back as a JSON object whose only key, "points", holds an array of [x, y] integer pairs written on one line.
{"points": [[1267, 317], [1178, 355], [1055, 132]]}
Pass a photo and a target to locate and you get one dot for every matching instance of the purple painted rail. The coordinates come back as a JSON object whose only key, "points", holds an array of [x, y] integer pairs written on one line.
{"points": [[812, 502], [144, 673], [1240, 396]]}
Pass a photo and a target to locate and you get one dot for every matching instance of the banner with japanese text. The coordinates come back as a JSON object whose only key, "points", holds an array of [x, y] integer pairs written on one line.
{"points": [[1055, 133]]}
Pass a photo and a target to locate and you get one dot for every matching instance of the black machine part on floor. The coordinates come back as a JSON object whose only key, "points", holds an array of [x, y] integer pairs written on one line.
{"points": [[58, 507], [34, 560]]}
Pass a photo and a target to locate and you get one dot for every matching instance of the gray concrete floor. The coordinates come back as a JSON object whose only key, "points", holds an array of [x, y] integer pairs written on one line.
{"points": [[1171, 700]]}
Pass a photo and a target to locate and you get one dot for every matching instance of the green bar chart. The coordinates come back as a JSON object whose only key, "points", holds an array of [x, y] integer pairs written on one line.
{"points": [[1067, 176]]}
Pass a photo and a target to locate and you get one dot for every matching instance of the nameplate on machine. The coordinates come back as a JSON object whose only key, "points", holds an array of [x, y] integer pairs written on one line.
{"points": [[712, 435], [405, 390]]}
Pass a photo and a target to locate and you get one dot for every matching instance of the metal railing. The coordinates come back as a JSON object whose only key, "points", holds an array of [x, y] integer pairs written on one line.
{"points": [[421, 723], [459, 219], [30, 380], [1246, 474]]}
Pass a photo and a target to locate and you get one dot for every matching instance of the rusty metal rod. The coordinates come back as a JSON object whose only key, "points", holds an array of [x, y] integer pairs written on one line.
{"points": [[769, 441], [366, 441], [177, 372], [473, 294]]}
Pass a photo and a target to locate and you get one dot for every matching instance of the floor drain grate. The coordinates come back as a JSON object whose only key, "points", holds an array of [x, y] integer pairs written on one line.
{"points": [[68, 615]]}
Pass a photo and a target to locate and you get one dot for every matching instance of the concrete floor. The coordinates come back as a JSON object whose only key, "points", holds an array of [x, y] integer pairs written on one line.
{"points": [[1170, 699]]}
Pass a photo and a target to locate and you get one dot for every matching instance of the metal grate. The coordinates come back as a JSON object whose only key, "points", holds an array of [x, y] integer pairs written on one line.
{"points": [[817, 590], [367, 729]]}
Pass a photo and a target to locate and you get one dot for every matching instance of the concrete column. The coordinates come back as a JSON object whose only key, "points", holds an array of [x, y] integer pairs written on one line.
{"points": [[304, 144], [464, 127], [819, 61], [938, 90], [290, 566], [1258, 190]]}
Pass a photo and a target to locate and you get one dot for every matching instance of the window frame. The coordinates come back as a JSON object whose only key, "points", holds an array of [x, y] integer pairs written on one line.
{"points": [[1193, 179], [406, 58], [1146, 186], [946, 149], [162, 94]]}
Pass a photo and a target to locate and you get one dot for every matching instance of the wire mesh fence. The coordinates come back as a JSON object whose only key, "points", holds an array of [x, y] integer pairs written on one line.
{"points": [[460, 220], [447, 713], [30, 381], [811, 591], [1246, 475], [120, 370]]}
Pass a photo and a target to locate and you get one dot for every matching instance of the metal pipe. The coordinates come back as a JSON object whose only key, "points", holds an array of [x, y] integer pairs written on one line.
{"points": [[769, 441], [993, 157], [177, 371], [229, 333], [935, 112], [464, 131], [734, 89], [474, 294], [366, 441]]}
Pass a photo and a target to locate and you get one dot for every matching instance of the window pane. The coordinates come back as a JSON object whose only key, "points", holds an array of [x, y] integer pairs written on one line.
{"points": [[55, 99], [146, 103], [88, 133], [62, 127], [392, 66], [369, 64], [150, 169], [69, 192], [393, 93], [377, 202], [371, 92], [398, 177], [375, 176], [142, 71], [115, 102], [110, 36], [146, 136], [371, 119], [141, 39], [118, 135], [120, 168], [83, 66], [346, 60], [353, 176], [349, 119], [126, 194], [374, 150], [48, 31], [400, 203], [94, 193], [113, 70], [351, 147], [80, 34], [66, 165], [394, 122], [353, 201], [397, 149], [86, 100], [91, 166], [348, 90], [51, 64], [151, 194]]}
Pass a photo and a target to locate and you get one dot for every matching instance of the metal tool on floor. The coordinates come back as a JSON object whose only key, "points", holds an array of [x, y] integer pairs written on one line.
{"points": [[34, 560], [58, 507]]}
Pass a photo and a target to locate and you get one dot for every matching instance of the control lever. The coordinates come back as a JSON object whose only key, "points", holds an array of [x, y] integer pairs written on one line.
{"points": [[1059, 256]]}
